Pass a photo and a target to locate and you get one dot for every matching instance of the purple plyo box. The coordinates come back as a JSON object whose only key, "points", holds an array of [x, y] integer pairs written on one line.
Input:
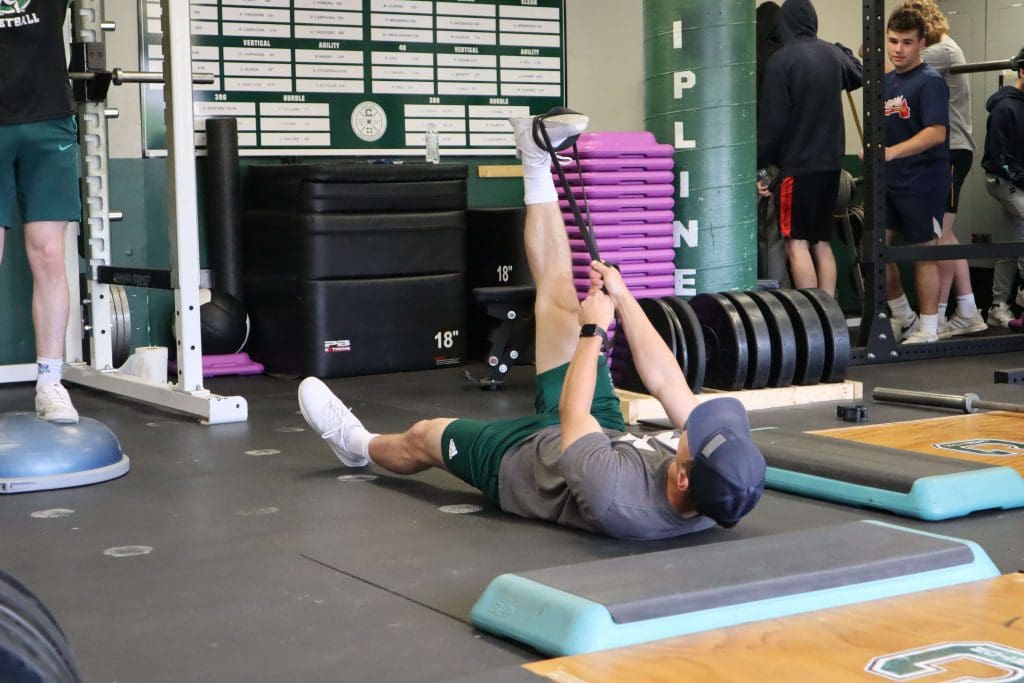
{"points": [[628, 191], [598, 205], [640, 246], [619, 178], [582, 257], [635, 232], [620, 164], [622, 144], [638, 283], [624, 217], [632, 268]]}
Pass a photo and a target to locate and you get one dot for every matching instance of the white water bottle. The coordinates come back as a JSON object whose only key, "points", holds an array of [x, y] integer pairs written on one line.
{"points": [[433, 148]]}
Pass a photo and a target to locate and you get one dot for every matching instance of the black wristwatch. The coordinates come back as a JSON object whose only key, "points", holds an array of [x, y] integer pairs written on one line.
{"points": [[592, 330]]}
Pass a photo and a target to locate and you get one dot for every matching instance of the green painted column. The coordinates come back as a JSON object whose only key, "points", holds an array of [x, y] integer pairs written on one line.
{"points": [[699, 95]]}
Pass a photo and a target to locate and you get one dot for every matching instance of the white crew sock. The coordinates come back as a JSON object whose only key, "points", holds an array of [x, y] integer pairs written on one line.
{"points": [[49, 371], [538, 185], [942, 311], [930, 324], [900, 308], [357, 439], [966, 307]]}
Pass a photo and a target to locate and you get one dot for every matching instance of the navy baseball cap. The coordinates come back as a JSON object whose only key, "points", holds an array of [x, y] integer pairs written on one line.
{"points": [[727, 478]]}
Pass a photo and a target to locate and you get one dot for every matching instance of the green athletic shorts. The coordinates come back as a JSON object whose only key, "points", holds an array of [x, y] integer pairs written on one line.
{"points": [[39, 170], [473, 449]]}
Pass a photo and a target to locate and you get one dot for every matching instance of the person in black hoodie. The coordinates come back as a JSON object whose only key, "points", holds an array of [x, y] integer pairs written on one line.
{"points": [[801, 130], [1004, 178]]}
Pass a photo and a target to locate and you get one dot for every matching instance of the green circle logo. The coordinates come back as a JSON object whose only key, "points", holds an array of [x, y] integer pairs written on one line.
{"points": [[14, 6]]}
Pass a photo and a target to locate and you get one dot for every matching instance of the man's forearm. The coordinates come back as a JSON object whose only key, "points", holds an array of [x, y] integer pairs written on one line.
{"points": [[581, 377], [925, 139]]}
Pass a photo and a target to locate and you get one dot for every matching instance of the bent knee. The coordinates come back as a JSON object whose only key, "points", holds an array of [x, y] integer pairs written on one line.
{"points": [[424, 439]]}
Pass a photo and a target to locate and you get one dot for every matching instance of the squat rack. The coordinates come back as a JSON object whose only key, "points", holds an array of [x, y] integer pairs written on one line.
{"points": [[188, 394], [875, 343]]}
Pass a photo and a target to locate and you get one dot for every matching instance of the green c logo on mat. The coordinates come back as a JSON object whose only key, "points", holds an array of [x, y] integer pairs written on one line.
{"points": [[1000, 447], [924, 663]]}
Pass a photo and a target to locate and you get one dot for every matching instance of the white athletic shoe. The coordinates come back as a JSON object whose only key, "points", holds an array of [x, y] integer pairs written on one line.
{"points": [[331, 419], [959, 325], [560, 127], [919, 336], [1000, 315], [54, 405], [902, 327]]}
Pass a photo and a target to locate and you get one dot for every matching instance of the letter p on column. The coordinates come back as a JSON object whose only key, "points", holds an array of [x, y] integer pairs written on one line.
{"points": [[683, 80]]}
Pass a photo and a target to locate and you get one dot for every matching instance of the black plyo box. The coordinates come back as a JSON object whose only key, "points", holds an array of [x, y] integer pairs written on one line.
{"points": [[1010, 376], [346, 328], [305, 246]]}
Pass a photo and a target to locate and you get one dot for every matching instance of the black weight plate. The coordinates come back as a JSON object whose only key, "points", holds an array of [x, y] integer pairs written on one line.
{"points": [[837, 334], [624, 373], [694, 338], [682, 350], [780, 330], [725, 341], [809, 335], [661, 318], [759, 342]]}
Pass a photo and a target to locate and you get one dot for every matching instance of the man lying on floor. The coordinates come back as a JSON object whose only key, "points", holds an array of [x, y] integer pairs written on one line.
{"points": [[572, 462]]}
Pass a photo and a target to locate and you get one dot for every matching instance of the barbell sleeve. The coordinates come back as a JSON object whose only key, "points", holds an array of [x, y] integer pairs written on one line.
{"points": [[120, 76], [968, 403], [924, 398], [997, 65]]}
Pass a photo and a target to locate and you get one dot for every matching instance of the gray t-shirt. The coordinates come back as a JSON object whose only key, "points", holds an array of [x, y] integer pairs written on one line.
{"points": [[940, 56], [610, 483]]}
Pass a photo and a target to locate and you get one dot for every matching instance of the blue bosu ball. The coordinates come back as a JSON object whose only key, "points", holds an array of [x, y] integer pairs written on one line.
{"points": [[37, 455]]}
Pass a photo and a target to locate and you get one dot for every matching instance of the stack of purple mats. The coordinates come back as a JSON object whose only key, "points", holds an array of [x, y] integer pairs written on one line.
{"points": [[627, 181]]}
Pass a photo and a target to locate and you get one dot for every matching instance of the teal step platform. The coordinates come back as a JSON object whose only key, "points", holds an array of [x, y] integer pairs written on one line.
{"points": [[598, 605], [38, 456], [906, 483]]}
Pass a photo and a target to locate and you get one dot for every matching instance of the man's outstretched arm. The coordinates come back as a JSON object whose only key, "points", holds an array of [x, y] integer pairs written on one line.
{"points": [[654, 361]]}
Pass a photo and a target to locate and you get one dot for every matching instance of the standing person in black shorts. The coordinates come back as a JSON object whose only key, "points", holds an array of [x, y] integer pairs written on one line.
{"points": [[917, 174], [941, 53], [800, 129], [572, 462], [39, 174]]}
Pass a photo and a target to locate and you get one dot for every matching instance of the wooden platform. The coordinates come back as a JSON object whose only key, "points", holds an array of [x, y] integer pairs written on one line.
{"points": [[975, 629], [995, 438], [636, 407]]}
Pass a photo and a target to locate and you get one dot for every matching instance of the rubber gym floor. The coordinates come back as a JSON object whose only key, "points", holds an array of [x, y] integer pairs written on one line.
{"points": [[269, 562]]}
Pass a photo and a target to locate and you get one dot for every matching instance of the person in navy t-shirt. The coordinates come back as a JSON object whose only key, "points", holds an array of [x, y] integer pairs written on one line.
{"points": [[917, 170]]}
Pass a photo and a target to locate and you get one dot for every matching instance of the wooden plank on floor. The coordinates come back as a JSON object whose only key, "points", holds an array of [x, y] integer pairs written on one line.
{"points": [[636, 407], [995, 438], [974, 629], [500, 171]]}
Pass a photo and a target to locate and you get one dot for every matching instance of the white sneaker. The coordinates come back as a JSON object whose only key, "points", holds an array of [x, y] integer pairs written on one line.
{"points": [[559, 127], [958, 325], [1000, 315], [331, 419], [919, 336], [54, 405], [902, 327]]}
